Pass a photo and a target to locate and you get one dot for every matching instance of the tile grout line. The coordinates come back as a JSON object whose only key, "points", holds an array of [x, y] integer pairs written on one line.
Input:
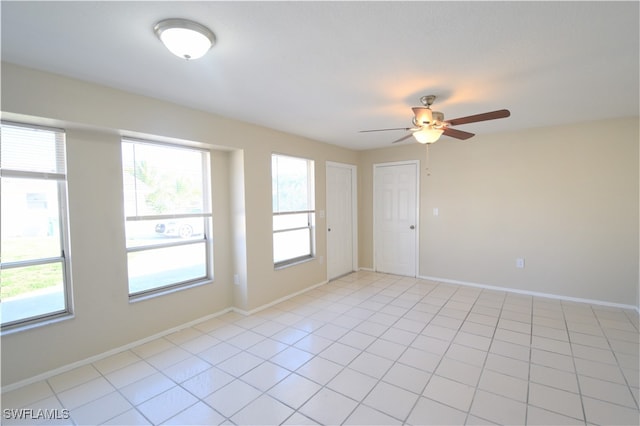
{"points": [[395, 362], [526, 408], [424, 387], [324, 386], [485, 361], [379, 380], [626, 381], [363, 350], [157, 371], [575, 367]]}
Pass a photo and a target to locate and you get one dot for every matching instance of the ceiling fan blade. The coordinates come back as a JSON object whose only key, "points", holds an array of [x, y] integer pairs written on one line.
{"points": [[385, 130], [458, 134], [403, 138], [501, 113]]}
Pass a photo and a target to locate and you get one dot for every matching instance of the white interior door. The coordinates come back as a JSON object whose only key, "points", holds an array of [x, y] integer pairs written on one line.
{"points": [[395, 217], [341, 243]]}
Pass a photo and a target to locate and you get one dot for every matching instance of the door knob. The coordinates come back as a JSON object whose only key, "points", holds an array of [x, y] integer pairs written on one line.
{"points": [[412, 227]]}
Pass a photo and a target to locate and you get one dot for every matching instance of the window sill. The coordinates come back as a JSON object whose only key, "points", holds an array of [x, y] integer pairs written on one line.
{"points": [[294, 263], [36, 324], [166, 291]]}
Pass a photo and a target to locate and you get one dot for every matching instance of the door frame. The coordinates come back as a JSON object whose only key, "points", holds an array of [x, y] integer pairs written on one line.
{"points": [[376, 166], [354, 211]]}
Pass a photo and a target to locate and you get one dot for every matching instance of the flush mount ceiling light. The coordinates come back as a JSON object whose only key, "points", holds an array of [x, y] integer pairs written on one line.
{"points": [[184, 38]]}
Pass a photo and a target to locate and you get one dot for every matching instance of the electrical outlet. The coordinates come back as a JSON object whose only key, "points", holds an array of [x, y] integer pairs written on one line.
{"points": [[520, 263]]}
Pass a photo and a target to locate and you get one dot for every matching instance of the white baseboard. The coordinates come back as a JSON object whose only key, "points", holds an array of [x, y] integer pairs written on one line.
{"points": [[532, 293], [92, 359], [275, 302]]}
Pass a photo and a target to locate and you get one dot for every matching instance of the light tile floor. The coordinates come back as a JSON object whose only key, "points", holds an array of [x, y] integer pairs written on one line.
{"points": [[369, 348]]}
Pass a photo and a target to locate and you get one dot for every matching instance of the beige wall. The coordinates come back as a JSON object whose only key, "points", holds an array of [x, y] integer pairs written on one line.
{"points": [[95, 117], [564, 198]]}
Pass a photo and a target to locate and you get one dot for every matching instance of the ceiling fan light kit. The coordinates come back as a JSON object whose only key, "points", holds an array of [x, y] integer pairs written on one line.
{"points": [[430, 125], [184, 38], [428, 134]]}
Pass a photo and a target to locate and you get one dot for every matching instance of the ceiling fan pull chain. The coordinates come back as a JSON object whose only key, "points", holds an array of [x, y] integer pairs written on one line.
{"points": [[427, 161]]}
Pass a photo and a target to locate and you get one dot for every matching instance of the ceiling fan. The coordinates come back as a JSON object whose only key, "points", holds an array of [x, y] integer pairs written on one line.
{"points": [[429, 125]]}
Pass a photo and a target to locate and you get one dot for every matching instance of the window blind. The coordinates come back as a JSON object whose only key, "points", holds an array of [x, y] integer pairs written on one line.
{"points": [[32, 149]]}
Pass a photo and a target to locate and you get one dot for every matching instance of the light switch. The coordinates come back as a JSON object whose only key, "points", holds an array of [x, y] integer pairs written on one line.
{"points": [[436, 212]]}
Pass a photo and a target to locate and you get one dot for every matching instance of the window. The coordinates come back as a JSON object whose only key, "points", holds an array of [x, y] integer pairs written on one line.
{"points": [[167, 216], [293, 209], [34, 252]]}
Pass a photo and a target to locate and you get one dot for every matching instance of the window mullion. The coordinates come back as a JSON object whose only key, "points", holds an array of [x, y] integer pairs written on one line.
{"points": [[167, 216], [277, 231], [165, 245], [30, 262], [25, 174], [292, 212]]}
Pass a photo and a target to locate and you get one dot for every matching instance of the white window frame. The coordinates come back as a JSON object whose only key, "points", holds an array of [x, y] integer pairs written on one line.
{"points": [[310, 212], [207, 239], [64, 258]]}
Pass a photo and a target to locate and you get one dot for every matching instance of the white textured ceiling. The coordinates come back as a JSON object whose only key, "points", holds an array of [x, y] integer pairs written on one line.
{"points": [[326, 70]]}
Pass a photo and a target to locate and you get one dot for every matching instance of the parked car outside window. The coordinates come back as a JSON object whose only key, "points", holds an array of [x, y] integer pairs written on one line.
{"points": [[183, 228]]}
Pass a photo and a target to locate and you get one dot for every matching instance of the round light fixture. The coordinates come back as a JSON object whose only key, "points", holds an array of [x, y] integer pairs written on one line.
{"points": [[184, 38], [428, 134]]}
